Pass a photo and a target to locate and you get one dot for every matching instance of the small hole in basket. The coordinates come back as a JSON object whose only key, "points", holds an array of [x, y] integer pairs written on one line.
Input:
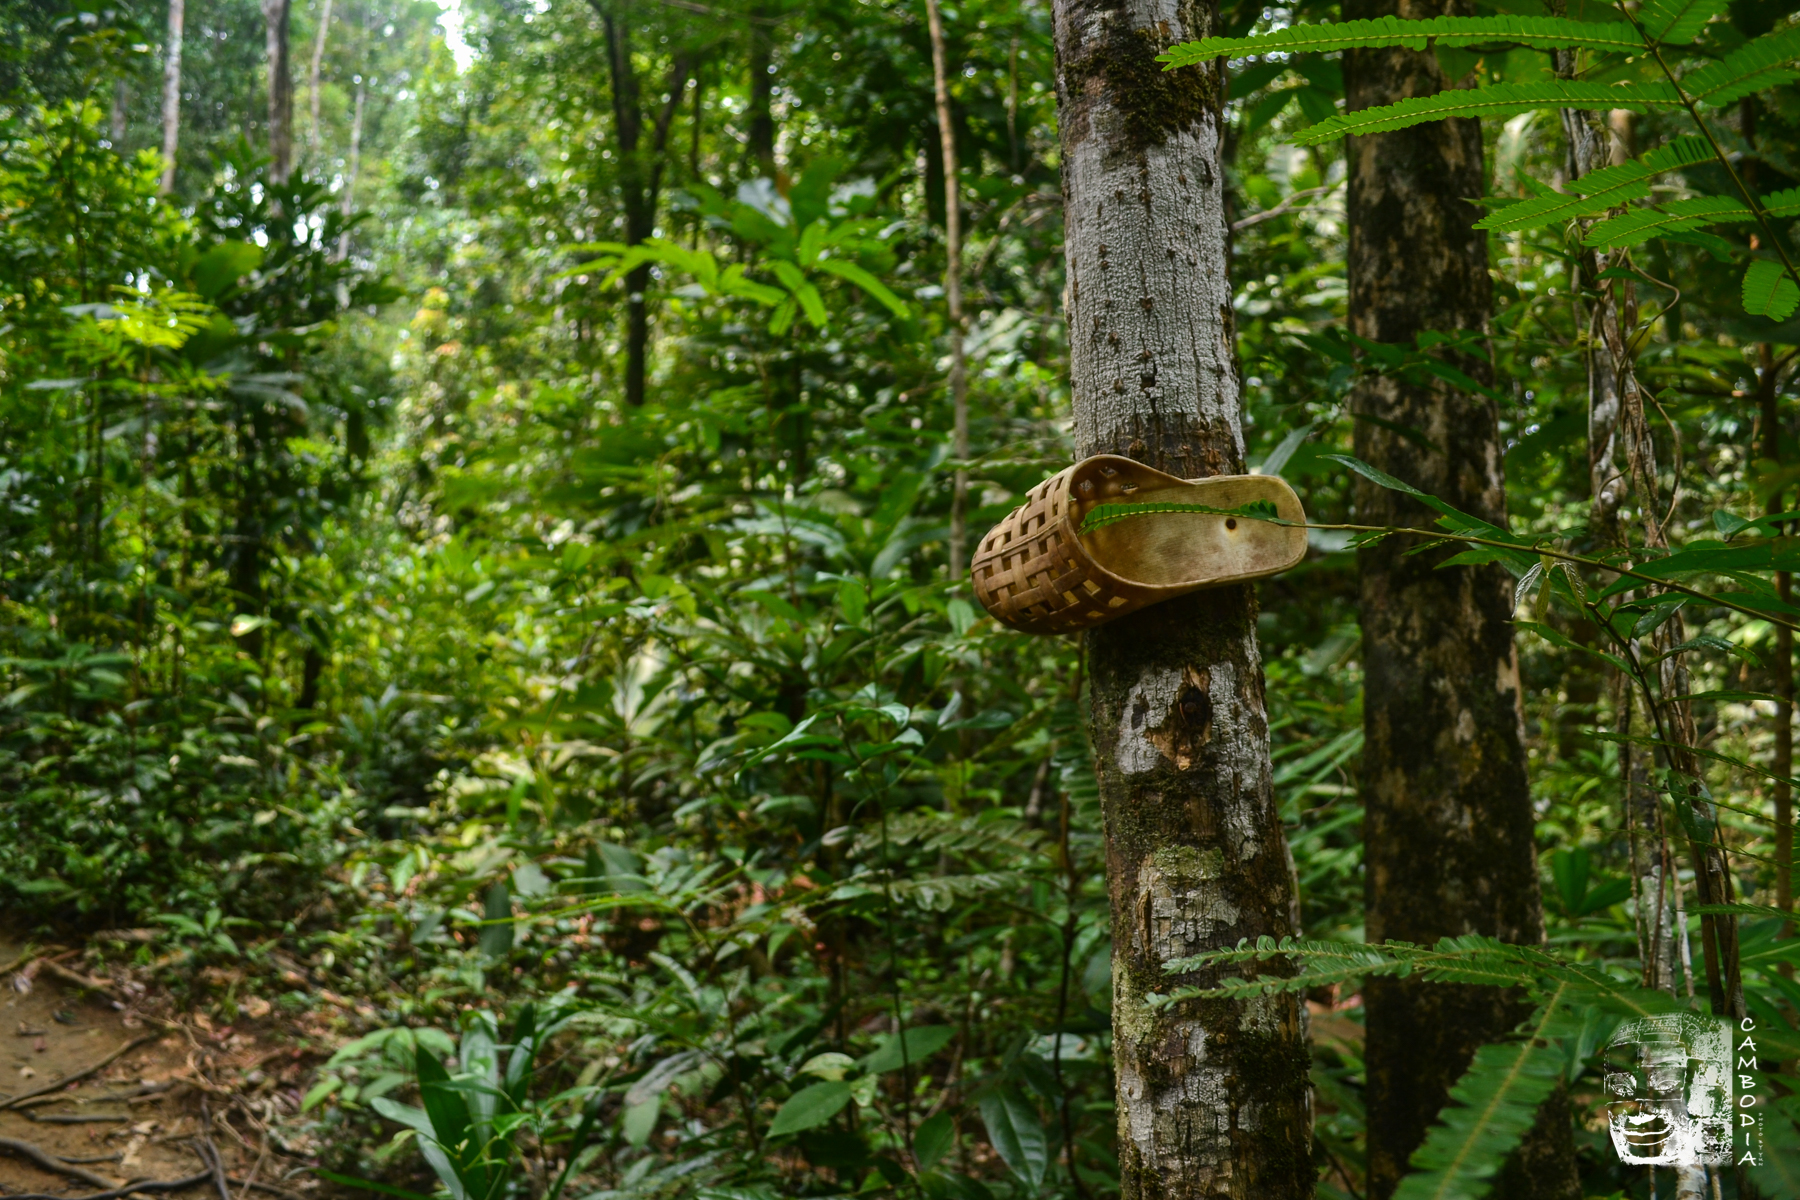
{"points": [[1231, 522]]}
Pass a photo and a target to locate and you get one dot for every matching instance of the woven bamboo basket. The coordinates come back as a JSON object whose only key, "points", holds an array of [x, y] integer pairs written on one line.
{"points": [[1037, 573]]}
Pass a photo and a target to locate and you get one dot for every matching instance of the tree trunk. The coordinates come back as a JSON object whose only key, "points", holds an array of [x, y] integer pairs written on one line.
{"points": [[121, 111], [640, 181], [171, 97], [281, 90], [760, 129], [953, 299], [347, 204], [312, 88], [1212, 1095], [1448, 827]]}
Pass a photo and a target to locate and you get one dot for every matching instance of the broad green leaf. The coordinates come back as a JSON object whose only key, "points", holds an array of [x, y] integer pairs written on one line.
{"points": [[867, 282], [639, 1121], [1016, 1134], [811, 1106], [921, 1043], [1768, 292], [934, 1136], [497, 928]]}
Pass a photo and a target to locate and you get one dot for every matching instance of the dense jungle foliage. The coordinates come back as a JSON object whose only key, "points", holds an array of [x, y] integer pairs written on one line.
{"points": [[362, 637]]}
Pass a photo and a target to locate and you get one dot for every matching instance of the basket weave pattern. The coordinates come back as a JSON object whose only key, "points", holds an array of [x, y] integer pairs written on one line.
{"points": [[1037, 573], [1032, 573]]}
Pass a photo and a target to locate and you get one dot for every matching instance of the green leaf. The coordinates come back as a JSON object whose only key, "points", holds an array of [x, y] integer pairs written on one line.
{"points": [[921, 1043], [639, 1121], [1768, 292], [1017, 1134], [1600, 190], [811, 1106], [1763, 63], [368, 1185], [1544, 33], [1492, 1106], [932, 1139], [1497, 100], [497, 929], [867, 282], [220, 268], [1677, 21]]}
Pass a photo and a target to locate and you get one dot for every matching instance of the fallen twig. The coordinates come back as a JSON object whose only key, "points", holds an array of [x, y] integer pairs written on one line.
{"points": [[71, 975], [142, 1185], [50, 1162], [70, 1118]]}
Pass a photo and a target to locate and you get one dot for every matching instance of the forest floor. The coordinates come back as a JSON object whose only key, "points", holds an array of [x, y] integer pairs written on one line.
{"points": [[102, 1083]]}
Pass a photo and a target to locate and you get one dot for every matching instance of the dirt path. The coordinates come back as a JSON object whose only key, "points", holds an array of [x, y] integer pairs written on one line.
{"points": [[161, 1110]]}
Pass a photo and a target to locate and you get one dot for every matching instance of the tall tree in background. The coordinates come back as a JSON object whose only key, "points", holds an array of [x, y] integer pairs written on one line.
{"points": [[641, 160], [1212, 1095], [759, 130], [1448, 830], [171, 94], [281, 89], [318, 62], [953, 297]]}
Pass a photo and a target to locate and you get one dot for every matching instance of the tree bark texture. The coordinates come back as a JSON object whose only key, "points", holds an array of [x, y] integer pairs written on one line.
{"points": [[171, 95], [1448, 827], [281, 90], [1213, 1096]]}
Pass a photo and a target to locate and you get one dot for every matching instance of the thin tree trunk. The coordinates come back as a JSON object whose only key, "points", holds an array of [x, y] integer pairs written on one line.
{"points": [[121, 110], [1448, 832], [171, 97], [312, 89], [1782, 764], [1213, 1095], [760, 129], [640, 181], [959, 384], [281, 90], [347, 203]]}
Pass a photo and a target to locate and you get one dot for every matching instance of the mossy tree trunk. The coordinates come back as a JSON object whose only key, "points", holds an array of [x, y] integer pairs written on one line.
{"points": [[1448, 832], [1213, 1097]]}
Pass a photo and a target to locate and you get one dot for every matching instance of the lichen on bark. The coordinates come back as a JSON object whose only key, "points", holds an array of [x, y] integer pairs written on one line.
{"points": [[1213, 1095]]}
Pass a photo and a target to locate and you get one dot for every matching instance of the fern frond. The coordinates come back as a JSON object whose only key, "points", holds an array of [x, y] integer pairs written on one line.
{"points": [[1544, 33], [1601, 190], [1500, 100], [1677, 22], [1768, 292], [1763, 63], [1640, 225], [1491, 1107]]}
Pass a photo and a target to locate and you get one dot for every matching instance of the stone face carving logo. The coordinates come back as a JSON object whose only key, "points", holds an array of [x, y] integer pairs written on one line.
{"points": [[1670, 1081]]}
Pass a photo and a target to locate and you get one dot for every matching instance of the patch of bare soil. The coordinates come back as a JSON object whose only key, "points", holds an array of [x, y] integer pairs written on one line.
{"points": [[103, 1094]]}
